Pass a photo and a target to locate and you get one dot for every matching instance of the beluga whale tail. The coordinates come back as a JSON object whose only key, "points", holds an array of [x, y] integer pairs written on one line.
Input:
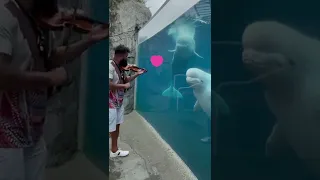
{"points": [[172, 92]]}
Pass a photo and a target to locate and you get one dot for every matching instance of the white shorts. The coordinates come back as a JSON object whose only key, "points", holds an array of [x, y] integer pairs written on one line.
{"points": [[115, 117]]}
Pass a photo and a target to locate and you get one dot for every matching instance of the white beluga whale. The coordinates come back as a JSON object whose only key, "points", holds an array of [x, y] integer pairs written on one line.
{"points": [[185, 45], [200, 82], [183, 33], [292, 94]]}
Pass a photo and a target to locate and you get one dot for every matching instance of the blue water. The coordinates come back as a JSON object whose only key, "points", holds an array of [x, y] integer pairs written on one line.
{"points": [[179, 125]]}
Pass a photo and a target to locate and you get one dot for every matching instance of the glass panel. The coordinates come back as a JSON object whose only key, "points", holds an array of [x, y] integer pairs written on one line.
{"points": [[164, 96]]}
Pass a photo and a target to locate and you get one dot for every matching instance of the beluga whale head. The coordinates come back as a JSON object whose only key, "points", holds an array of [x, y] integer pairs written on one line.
{"points": [[183, 32], [198, 79], [185, 46]]}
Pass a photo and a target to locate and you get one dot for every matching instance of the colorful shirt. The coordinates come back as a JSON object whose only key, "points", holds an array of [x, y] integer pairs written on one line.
{"points": [[115, 96], [22, 112]]}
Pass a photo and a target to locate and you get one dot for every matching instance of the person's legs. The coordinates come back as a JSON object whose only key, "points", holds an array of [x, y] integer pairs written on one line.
{"points": [[11, 164], [35, 161], [112, 129], [115, 151], [120, 119]]}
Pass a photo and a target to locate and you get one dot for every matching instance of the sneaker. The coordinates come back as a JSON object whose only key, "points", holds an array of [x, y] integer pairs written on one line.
{"points": [[119, 153]]}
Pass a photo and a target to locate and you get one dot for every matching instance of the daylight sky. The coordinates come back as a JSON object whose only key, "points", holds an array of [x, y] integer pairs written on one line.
{"points": [[154, 5]]}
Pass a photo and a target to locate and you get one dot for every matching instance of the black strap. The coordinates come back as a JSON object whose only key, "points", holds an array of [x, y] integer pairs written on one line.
{"points": [[119, 72], [31, 33]]}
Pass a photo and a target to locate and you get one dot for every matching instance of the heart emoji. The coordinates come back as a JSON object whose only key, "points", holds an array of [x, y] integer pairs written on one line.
{"points": [[156, 60]]}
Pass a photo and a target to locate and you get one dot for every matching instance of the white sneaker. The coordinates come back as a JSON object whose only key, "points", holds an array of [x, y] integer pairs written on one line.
{"points": [[119, 153]]}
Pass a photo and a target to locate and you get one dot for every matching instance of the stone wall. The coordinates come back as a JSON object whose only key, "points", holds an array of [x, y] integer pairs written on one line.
{"points": [[126, 18]]}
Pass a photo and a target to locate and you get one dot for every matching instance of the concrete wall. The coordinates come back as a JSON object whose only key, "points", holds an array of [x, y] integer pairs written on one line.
{"points": [[95, 122]]}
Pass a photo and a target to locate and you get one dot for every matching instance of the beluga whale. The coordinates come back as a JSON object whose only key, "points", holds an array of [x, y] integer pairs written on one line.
{"points": [[293, 92], [183, 34], [200, 82]]}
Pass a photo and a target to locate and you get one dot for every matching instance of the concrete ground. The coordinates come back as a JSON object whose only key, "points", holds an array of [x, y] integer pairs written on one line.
{"points": [[150, 157], [80, 168]]}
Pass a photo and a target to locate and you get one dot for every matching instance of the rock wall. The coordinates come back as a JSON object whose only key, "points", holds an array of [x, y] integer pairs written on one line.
{"points": [[126, 18]]}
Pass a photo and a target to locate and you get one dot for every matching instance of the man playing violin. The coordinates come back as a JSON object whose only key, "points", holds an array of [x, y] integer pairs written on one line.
{"points": [[28, 67], [118, 82]]}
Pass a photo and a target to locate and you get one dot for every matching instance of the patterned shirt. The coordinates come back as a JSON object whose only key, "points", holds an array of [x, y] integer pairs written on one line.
{"points": [[115, 96], [22, 112]]}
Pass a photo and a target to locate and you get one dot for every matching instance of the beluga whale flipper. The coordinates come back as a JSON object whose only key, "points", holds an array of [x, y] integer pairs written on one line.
{"points": [[183, 32]]}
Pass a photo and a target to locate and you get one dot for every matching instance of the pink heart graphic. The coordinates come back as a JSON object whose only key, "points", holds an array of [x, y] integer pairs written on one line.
{"points": [[156, 60]]}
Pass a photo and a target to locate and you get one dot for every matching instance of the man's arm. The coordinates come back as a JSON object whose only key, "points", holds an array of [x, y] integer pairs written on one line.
{"points": [[113, 86], [131, 78], [11, 77], [65, 54]]}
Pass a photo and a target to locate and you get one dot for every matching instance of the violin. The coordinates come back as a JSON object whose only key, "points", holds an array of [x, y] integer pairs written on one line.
{"points": [[134, 68], [79, 23]]}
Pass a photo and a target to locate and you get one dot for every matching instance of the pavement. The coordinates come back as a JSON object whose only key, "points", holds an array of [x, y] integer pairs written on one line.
{"points": [[80, 168], [132, 167], [150, 158]]}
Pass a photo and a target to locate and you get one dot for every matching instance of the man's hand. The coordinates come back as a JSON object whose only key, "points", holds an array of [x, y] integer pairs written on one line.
{"points": [[58, 76], [99, 33], [141, 71], [127, 85]]}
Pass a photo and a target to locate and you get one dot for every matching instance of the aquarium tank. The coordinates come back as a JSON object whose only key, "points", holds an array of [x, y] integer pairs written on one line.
{"points": [[250, 144], [174, 96]]}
